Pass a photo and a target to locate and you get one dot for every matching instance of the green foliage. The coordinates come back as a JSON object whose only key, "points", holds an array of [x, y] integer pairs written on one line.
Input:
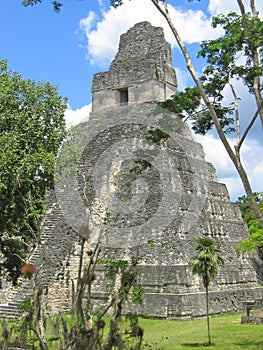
{"points": [[32, 127], [27, 306], [186, 101], [140, 166], [128, 275], [30, 2], [56, 4], [255, 230], [207, 259], [137, 294], [256, 238], [205, 264], [84, 328], [243, 36], [116, 3], [243, 204], [157, 136], [188, 105], [114, 266]]}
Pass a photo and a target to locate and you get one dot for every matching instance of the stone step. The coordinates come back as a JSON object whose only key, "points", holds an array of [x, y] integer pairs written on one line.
{"points": [[16, 302], [17, 299], [9, 317], [4, 312], [9, 312]]}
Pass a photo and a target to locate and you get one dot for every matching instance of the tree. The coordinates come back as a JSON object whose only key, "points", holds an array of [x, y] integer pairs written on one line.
{"points": [[205, 264], [256, 232], [247, 213], [242, 37], [32, 127], [56, 4]]}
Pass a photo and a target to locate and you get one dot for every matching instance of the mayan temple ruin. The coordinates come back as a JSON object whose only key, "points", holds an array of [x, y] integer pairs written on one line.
{"points": [[158, 194]]}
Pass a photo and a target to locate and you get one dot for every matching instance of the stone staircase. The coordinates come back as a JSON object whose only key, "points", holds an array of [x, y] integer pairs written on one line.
{"points": [[42, 257], [14, 296], [9, 310]]}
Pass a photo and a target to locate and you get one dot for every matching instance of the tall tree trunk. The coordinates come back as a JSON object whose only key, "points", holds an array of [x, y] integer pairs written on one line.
{"points": [[207, 315]]}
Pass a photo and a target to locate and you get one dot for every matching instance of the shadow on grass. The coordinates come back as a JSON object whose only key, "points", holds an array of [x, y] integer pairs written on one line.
{"points": [[197, 345], [248, 344]]}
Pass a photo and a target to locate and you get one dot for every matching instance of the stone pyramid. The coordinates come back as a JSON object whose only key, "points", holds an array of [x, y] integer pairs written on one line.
{"points": [[159, 195], [142, 170]]}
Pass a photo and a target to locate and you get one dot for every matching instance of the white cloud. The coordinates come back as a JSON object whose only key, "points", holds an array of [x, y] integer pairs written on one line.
{"points": [[74, 117], [252, 159], [183, 78], [192, 26], [224, 7], [219, 6], [103, 39], [87, 22], [216, 154]]}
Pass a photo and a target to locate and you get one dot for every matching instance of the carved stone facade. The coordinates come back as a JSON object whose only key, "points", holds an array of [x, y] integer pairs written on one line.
{"points": [[159, 195]]}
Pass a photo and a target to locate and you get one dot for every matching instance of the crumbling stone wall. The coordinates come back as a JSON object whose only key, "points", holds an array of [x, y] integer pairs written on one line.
{"points": [[143, 66]]}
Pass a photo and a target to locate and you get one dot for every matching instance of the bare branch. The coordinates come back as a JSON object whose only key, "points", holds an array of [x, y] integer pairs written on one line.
{"points": [[253, 8], [241, 6], [235, 109], [250, 125]]}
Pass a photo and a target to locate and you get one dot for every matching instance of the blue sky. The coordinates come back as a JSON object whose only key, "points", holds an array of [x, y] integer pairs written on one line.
{"points": [[67, 48], [44, 45]]}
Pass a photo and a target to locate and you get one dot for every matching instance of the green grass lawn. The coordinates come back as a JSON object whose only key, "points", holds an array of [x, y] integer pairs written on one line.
{"points": [[226, 332]]}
